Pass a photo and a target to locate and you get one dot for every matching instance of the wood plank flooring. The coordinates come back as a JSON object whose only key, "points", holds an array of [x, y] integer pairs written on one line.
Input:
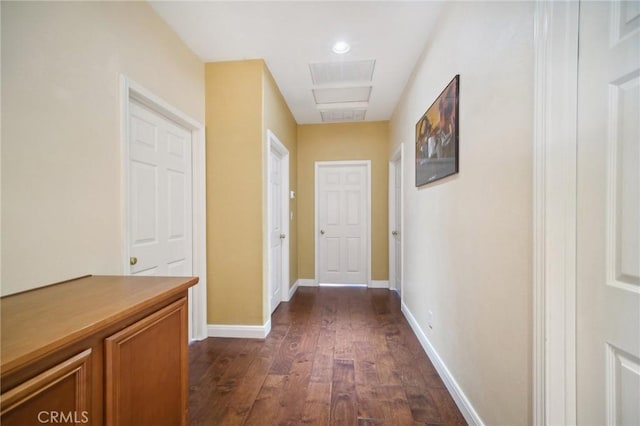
{"points": [[335, 356]]}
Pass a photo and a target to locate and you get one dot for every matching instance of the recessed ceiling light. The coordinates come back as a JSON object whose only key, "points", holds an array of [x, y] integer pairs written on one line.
{"points": [[341, 47]]}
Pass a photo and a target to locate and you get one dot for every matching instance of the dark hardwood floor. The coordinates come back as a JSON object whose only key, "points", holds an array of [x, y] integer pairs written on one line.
{"points": [[335, 356]]}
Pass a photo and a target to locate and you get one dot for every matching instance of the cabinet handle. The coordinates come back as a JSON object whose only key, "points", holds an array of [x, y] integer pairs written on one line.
{"points": [[133, 260]]}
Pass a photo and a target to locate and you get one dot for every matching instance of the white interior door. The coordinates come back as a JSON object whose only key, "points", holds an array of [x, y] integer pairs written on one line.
{"points": [[397, 227], [608, 221], [276, 231], [160, 195], [342, 194]]}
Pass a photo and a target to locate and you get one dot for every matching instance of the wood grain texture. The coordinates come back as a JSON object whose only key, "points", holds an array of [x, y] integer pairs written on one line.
{"points": [[335, 356], [32, 326]]}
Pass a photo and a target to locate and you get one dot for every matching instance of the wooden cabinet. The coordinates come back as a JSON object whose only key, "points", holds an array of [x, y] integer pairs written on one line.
{"points": [[96, 350], [147, 360], [63, 388]]}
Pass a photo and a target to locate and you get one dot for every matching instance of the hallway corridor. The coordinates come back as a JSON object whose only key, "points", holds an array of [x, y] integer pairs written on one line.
{"points": [[338, 356]]}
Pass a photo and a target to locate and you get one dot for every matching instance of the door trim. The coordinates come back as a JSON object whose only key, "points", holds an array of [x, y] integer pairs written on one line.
{"points": [[129, 89], [396, 157], [318, 165], [554, 212], [274, 143]]}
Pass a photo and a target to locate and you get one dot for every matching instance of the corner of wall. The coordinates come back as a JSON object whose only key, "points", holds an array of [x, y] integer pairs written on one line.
{"points": [[234, 119]]}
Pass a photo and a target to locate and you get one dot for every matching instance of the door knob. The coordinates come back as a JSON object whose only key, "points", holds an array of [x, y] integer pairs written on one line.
{"points": [[283, 236], [322, 231], [133, 260], [394, 233]]}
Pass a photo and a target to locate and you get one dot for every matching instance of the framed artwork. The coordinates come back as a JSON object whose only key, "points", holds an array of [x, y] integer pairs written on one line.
{"points": [[437, 137]]}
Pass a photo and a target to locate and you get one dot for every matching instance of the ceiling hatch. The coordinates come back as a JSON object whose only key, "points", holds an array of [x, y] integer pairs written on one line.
{"points": [[334, 95], [337, 115], [325, 73]]}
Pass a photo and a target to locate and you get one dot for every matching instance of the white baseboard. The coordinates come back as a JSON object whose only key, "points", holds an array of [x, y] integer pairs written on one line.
{"points": [[379, 284], [293, 290], [305, 282], [239, 331], [463, 403]]}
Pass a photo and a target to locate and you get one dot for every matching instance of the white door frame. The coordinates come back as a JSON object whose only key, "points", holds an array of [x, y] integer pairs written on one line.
{"points": [[396, 157], [274, 143], [554, 216], [129, 89], [318, 165]]}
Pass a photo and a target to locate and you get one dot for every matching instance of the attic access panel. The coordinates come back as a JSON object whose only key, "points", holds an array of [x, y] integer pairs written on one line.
{"points": [[339, 115], [326, 73]]}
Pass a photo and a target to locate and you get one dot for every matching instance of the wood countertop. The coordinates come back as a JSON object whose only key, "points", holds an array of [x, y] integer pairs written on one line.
{"points": [[39, 321]]}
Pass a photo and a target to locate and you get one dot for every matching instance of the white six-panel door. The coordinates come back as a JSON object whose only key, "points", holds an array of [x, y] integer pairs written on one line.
{"points": [[397, 229], [342, 203], [276, 210], [608, 218], [160, 195], [276, 231]]}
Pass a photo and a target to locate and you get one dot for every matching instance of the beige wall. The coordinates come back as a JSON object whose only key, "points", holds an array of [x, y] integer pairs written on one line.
{"points": [[468, 238], [234, 192], [278, 119], [345, 141], [61, 155]]}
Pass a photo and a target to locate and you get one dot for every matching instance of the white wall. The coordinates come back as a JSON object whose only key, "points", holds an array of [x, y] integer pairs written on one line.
{"points": [[468, 238], [61, 166]]}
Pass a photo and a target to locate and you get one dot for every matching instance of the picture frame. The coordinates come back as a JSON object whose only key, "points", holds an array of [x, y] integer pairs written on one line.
{"points": [[437, 134]]}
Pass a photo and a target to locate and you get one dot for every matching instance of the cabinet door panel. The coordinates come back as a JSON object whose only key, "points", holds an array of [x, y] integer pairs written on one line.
{"points": [[59, 395], [146, 370]]}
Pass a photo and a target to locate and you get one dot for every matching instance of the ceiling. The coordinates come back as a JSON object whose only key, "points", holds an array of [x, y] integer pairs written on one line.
{"points": [[290, 36]]}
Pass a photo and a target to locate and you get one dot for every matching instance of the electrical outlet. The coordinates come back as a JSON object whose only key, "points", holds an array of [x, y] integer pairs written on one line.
{"points": [[430, 320]]}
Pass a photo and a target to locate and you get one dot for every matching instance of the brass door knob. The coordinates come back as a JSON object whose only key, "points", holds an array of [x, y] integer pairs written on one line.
{"points": [[133, 260], [322, 231], [394, 233], [283, 236]]}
